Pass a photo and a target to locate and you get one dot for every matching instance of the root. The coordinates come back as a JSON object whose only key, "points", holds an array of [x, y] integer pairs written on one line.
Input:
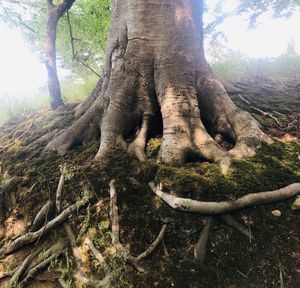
{"points": [[231, 222], [33, 236], [259, 111], [41, 216], [200, 246], [54, 252], [214, 208], [221, 116], [135, 261], [21, 136], [22, 268]]}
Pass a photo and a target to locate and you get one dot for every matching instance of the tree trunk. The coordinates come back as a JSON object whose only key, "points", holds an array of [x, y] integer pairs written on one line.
{"points": [[156, 73], [54, 13]]}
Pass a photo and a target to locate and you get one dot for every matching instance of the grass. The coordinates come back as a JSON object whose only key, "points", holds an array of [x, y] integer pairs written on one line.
{"points": [[231, 66], [15, 105], [235, 65]]}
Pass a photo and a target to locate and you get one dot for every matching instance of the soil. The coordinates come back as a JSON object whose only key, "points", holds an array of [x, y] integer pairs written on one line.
{"points": [[270, 259]]}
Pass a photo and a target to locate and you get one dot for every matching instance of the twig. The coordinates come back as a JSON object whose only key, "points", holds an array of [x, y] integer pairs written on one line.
{"points": [[73, 48], [214, 208], [15, 141]]}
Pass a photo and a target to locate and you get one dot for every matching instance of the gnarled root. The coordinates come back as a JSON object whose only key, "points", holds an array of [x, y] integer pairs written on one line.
{"points": [[33, 236], [135, 261], [214, 208], [223, 117], [223, 208]]}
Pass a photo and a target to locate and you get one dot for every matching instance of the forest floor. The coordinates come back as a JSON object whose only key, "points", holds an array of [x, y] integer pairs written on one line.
{"points": [[270, 259]]}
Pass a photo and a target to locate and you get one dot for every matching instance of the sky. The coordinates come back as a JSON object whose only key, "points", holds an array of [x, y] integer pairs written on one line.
{"points": [[21, 72]]}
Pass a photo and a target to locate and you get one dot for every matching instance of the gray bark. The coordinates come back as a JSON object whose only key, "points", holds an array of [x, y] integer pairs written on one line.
{"points": [[156, 72], [54, 13]]}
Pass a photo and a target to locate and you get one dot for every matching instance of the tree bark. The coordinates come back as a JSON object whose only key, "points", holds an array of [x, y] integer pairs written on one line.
{"points": [[54, 13], [156, 74]]}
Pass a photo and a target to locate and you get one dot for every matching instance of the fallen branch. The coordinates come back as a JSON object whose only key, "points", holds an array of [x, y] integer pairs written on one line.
{"points": [[33, 236], [214, 208], [200, 246]]}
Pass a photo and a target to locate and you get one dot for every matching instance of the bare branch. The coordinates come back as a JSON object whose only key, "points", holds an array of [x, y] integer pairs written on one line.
{"points": [[213, 208], [72, 38]]}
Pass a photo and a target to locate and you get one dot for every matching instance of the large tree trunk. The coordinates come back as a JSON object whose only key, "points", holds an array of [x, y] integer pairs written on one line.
{"points": [[54, 13], [156, 73]]}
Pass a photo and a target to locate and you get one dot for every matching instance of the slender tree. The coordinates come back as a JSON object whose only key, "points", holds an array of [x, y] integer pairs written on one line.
{"points": [[54, 13]]}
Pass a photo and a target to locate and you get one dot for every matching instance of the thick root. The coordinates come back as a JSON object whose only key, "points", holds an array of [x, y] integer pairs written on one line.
{"points": [[215, 208], [223, 117], [200, 246]]}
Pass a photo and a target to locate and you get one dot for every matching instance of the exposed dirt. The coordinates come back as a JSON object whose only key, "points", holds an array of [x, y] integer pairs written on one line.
{"points": [[271, 259]]}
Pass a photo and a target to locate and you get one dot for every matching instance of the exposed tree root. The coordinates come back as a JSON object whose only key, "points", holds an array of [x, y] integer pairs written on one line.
{"points": [[259, 111], [53, 253], [33, 236], [200, 246], [42, 216], [214, 208], [220, 208], [231, 222], [21, 136], [22, 268], [135, 261]]}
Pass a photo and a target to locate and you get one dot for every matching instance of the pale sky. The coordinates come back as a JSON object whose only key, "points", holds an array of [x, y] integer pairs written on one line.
{"points": [[21, 72]]}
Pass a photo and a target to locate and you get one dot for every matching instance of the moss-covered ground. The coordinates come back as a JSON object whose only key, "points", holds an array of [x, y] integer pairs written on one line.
{"points": [[271, 259]]}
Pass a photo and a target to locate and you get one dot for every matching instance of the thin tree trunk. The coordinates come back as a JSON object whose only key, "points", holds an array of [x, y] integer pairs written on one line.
{"points": [[54, 13]]}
